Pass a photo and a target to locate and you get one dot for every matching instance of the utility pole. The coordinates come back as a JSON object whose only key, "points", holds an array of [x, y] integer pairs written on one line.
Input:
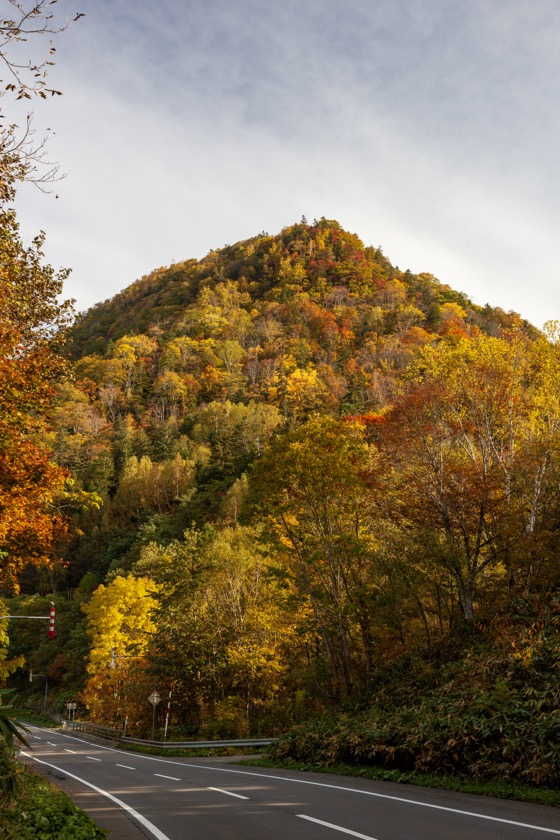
{"points": [[31, 675]]}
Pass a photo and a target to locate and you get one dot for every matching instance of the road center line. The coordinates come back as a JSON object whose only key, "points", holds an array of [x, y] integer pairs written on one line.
{"points": [[332, 787], [91, 758], [50, 743], [70, 751], [336, 827], [228, 793], [173, 778], [357, 790], [126, 767], [159, 835]]}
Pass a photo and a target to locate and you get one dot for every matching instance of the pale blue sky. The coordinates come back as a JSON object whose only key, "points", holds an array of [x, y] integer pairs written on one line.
{"points": [[428, 127]]}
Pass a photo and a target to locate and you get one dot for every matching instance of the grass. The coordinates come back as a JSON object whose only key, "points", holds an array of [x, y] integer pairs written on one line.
{"points": [[497, 789], [38, 810], [38, 720]]}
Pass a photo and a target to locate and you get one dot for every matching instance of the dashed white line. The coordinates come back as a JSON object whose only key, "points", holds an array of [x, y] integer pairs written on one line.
{"points": [[50, 743], [228, 793], [126, 766], [345, 789], [173, 778], [70, 751], [336, 827], [91, 758], [386, 796], [159, 835]]}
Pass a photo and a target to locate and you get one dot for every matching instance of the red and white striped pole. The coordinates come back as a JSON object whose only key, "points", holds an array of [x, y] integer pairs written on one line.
{"points": [[51, 631], [168, 710]]}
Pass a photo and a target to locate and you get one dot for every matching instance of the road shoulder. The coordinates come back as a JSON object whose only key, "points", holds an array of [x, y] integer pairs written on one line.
{"points": [[105, 814]]}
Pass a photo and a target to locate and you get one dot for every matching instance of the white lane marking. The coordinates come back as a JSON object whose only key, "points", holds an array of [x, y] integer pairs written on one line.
{"points": [[37, 738], [70, 751], [229, 793], [51, 744], [323, 784], [173, 778], [159, 835], [126, 767], [336, 827], [354, 790], [91, 758]]}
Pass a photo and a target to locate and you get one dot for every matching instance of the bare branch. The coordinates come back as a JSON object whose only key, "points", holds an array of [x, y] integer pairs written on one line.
{"points": [[22, 156], [32, 18]]}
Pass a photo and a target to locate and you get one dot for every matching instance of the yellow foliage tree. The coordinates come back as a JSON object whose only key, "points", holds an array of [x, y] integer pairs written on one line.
{"points": [[148, 485], [246, 602], [121, 628]]}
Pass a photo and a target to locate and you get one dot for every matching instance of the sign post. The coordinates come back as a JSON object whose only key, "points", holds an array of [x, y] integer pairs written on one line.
{"points": [[154, 699]]}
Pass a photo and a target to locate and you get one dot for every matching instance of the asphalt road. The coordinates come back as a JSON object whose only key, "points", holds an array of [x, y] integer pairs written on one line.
{"points": [[139, 796]]}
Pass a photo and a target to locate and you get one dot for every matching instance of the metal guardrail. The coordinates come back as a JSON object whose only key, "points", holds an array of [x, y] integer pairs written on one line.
{"points": [[111, 734], [108, 733], [200, 745]]}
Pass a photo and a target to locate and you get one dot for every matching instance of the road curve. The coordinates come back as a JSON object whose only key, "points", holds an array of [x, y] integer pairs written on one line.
{"points": [[139, 796]]}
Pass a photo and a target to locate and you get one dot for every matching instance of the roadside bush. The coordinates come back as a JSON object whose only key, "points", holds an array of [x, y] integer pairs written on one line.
{"points": [[493, 713], [8, 769], [37, 811]]}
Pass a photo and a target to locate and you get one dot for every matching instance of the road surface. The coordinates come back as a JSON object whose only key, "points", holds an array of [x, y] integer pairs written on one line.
{"points": [[140, 796]]}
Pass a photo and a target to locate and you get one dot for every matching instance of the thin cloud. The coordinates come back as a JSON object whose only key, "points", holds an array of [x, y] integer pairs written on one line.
{"points": [[425, 127]]}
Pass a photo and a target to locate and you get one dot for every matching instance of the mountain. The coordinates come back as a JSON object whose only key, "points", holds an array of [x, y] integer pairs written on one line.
{"points": [[297, 474], [305, 272], [205, 361]]}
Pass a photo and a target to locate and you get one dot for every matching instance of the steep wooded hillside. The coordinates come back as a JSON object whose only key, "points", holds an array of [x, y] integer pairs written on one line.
{"points": [[295, 467], [183, 378]]}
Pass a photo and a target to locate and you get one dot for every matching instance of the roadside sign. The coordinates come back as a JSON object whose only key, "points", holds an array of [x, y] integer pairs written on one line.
{"points": [[154, 698]]}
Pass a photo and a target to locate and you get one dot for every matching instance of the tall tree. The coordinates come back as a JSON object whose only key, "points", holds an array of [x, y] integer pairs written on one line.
{"points": [[310, 485], [31, 317], [120, 626], [464, 459], [31, 328]]}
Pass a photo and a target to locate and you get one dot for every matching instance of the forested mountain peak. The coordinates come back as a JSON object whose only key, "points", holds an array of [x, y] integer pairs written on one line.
{"points": [[205, 361], [286, 277]]}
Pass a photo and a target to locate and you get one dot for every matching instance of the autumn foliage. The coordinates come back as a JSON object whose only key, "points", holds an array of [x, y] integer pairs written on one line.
{"points": [[313, 468], [31, 524]]}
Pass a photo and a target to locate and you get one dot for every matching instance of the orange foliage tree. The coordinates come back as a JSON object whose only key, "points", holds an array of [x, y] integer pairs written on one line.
{"points": [[31, 326]]}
